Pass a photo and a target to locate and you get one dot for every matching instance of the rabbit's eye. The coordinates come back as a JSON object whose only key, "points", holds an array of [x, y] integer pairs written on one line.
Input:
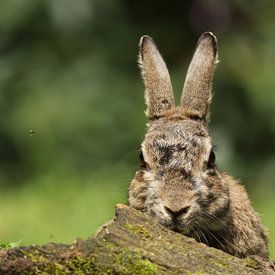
{"points": [[143, 163], [211, 161]]}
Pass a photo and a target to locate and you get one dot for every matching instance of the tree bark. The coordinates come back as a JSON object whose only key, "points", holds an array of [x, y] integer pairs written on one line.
{"points": [[132, 243]]}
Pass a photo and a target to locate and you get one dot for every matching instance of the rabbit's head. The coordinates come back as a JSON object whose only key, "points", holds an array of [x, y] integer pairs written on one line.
{"points": [[178, 181]]}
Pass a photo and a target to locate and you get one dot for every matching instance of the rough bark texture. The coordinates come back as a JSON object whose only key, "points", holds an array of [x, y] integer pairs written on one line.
{"points": [[132, 243]]}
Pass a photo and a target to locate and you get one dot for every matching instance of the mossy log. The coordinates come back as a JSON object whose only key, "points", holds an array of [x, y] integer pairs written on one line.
{"points": [[132, 243]]}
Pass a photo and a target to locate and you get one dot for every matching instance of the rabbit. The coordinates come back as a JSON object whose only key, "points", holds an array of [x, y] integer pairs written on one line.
{"points": [[178, 182]]}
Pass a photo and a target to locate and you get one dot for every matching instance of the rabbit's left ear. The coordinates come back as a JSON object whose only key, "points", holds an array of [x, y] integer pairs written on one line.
{"points": [[197, 89]]}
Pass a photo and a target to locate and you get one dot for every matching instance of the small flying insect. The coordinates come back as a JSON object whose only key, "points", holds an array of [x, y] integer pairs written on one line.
{"points": [[31, 132]]}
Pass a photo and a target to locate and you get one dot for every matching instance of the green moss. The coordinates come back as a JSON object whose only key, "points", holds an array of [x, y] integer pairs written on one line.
{"points": [[249, 262], [81, 265], [112, 260], [42, 264], [221, 263], [124, 262], [196, 273], [137, 229], [10, 245], [133, 262], [77, 265], [49, 268], [107, 244], [35, 256]]}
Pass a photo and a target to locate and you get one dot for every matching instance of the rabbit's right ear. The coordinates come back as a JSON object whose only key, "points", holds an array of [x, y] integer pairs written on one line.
{"points": [[159, 95]]}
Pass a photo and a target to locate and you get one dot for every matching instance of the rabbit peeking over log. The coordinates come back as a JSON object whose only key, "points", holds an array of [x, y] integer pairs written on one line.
{"points": [[178, 181]]}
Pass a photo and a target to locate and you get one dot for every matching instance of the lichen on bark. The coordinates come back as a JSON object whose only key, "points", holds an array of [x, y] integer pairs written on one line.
{"points": [[133, 243]]}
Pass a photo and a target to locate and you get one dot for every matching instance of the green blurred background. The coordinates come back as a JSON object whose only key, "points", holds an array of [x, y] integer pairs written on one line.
{"points": [[72, 110]]}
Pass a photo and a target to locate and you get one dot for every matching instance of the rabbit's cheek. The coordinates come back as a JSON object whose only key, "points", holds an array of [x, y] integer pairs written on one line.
{"points": [[149, 176], [153, 198]]}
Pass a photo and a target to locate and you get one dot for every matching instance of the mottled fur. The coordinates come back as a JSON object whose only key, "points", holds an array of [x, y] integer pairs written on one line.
{"points": [[179, 183]]}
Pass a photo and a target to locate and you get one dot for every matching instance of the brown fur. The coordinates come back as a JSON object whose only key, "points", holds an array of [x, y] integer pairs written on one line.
{"points": [[178, 182], [159, 94]]}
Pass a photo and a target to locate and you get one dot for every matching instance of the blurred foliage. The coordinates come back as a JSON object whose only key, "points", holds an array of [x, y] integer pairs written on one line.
{"points": [[71, 103]]}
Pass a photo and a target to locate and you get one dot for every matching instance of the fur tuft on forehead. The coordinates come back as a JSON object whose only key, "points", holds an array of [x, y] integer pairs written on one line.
{"points": [[177, 113]]}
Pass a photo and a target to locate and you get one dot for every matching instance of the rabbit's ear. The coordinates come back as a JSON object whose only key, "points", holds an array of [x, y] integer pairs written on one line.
{"points": [[159, 95], [197, 89]]}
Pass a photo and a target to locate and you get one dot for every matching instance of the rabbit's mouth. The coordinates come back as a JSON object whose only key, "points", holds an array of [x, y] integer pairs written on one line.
{"points": [[177, 230], [181, 227], [175, 225], [178, 222], [183, 231]]}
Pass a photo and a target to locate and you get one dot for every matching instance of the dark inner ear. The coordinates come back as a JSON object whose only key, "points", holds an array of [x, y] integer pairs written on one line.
{"points": [[211, 160], [195, 117], [143, 164]]}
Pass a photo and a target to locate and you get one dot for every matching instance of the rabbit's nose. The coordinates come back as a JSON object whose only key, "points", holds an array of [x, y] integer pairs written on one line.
{"points": [[178, 212]]}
